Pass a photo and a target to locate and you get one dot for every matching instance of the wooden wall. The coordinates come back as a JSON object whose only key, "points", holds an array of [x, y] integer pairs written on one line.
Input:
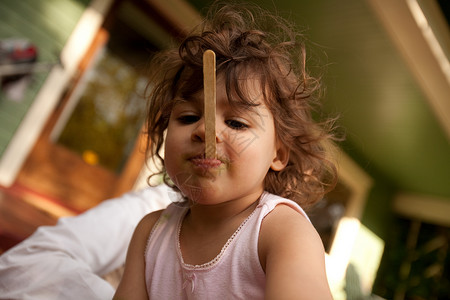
{"points": [[45, 23]]}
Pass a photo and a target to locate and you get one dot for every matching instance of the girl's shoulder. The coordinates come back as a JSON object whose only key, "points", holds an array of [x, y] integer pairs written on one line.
{"points": [[152, 217], [289, 220], [290, 247], [286, 227], [147, 223], [273, 201]]}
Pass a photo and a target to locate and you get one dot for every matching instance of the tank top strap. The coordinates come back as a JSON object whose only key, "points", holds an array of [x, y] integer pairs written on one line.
{"points": [[270, 201]]}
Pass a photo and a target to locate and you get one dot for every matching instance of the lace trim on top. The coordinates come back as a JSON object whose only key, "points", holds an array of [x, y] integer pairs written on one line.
{"points": [[222, 251]]}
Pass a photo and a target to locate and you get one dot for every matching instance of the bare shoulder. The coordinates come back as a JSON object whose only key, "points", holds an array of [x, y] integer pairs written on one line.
{"points": [[292, 255], [285, 223], [132, 285], [148, 221]]}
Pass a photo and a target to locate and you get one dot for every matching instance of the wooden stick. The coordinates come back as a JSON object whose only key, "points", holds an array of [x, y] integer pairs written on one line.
{"points": [[209, 89]]}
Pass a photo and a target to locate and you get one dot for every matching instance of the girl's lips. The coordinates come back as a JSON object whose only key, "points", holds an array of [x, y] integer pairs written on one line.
{"points": [[206, 163]]}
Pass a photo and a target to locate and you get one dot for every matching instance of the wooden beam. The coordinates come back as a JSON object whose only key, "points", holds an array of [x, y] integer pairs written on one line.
{"points": [[428, 209], [418, 44]]}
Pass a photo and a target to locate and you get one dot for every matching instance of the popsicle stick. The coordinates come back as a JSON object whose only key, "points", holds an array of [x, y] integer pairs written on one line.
{"points": [[209, 89]]}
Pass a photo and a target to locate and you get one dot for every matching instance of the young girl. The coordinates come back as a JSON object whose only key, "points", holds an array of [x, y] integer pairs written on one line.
{"points": [[235, 235]]}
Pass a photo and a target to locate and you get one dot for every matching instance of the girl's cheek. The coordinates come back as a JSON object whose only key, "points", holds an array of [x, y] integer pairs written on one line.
{"points": [[237, 142]]}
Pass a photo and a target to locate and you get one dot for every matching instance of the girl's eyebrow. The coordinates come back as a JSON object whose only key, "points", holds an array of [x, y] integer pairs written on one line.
{"points": [[245, 106], [236, 105], [181, 100], [188, 99]]}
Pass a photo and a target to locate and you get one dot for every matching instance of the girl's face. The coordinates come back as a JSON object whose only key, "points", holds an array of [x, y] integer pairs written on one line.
{"points": [[246, 149]]}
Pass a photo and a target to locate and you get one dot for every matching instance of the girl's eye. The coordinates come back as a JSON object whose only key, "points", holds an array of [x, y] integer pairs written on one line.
{"points": [[237, 125], [188, 119]]}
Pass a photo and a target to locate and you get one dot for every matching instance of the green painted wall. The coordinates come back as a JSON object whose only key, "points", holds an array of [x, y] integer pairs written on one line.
{"points": [[45, 23], [377, 213]]}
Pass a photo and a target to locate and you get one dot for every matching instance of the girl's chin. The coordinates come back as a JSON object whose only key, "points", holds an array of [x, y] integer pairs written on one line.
{"points": [[196, 176], [200, 195], [199, 185], [208, 172]]}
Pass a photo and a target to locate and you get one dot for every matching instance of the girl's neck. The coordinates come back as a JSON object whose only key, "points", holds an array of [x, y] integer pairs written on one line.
{"points": [[210, 216], [206, 228]]}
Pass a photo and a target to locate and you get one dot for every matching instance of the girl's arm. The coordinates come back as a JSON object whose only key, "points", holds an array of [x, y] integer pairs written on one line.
{"points": [[292, 255], [132, 285]]}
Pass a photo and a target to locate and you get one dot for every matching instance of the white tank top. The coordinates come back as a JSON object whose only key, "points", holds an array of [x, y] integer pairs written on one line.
{"points": [[235, 273]]}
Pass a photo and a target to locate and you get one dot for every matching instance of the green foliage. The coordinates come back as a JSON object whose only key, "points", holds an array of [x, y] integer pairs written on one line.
{"points": [[427, 261]]}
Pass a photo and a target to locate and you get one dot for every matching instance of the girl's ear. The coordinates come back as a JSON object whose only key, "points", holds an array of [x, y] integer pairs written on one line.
{"points": [[281, 157]]}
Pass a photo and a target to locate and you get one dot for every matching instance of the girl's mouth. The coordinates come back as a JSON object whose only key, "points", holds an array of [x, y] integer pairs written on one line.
{"points": [[208, 166], [206, 163]]}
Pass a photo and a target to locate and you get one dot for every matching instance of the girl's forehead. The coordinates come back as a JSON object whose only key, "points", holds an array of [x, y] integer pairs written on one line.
{"points": [[247, 90], [243, 91]]}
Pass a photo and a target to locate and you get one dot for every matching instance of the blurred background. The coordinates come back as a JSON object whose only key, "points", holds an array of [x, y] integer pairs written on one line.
{"points": [[72, 75]]}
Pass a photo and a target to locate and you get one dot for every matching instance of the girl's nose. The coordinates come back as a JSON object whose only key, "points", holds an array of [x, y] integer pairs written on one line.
{"points": [[198, 134]]}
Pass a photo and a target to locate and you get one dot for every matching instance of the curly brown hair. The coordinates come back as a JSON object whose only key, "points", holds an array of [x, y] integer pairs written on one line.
{"points": [[250, 41]]}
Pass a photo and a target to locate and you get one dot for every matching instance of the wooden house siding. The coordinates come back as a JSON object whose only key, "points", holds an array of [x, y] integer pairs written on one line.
{"points": [[47, 24]]}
